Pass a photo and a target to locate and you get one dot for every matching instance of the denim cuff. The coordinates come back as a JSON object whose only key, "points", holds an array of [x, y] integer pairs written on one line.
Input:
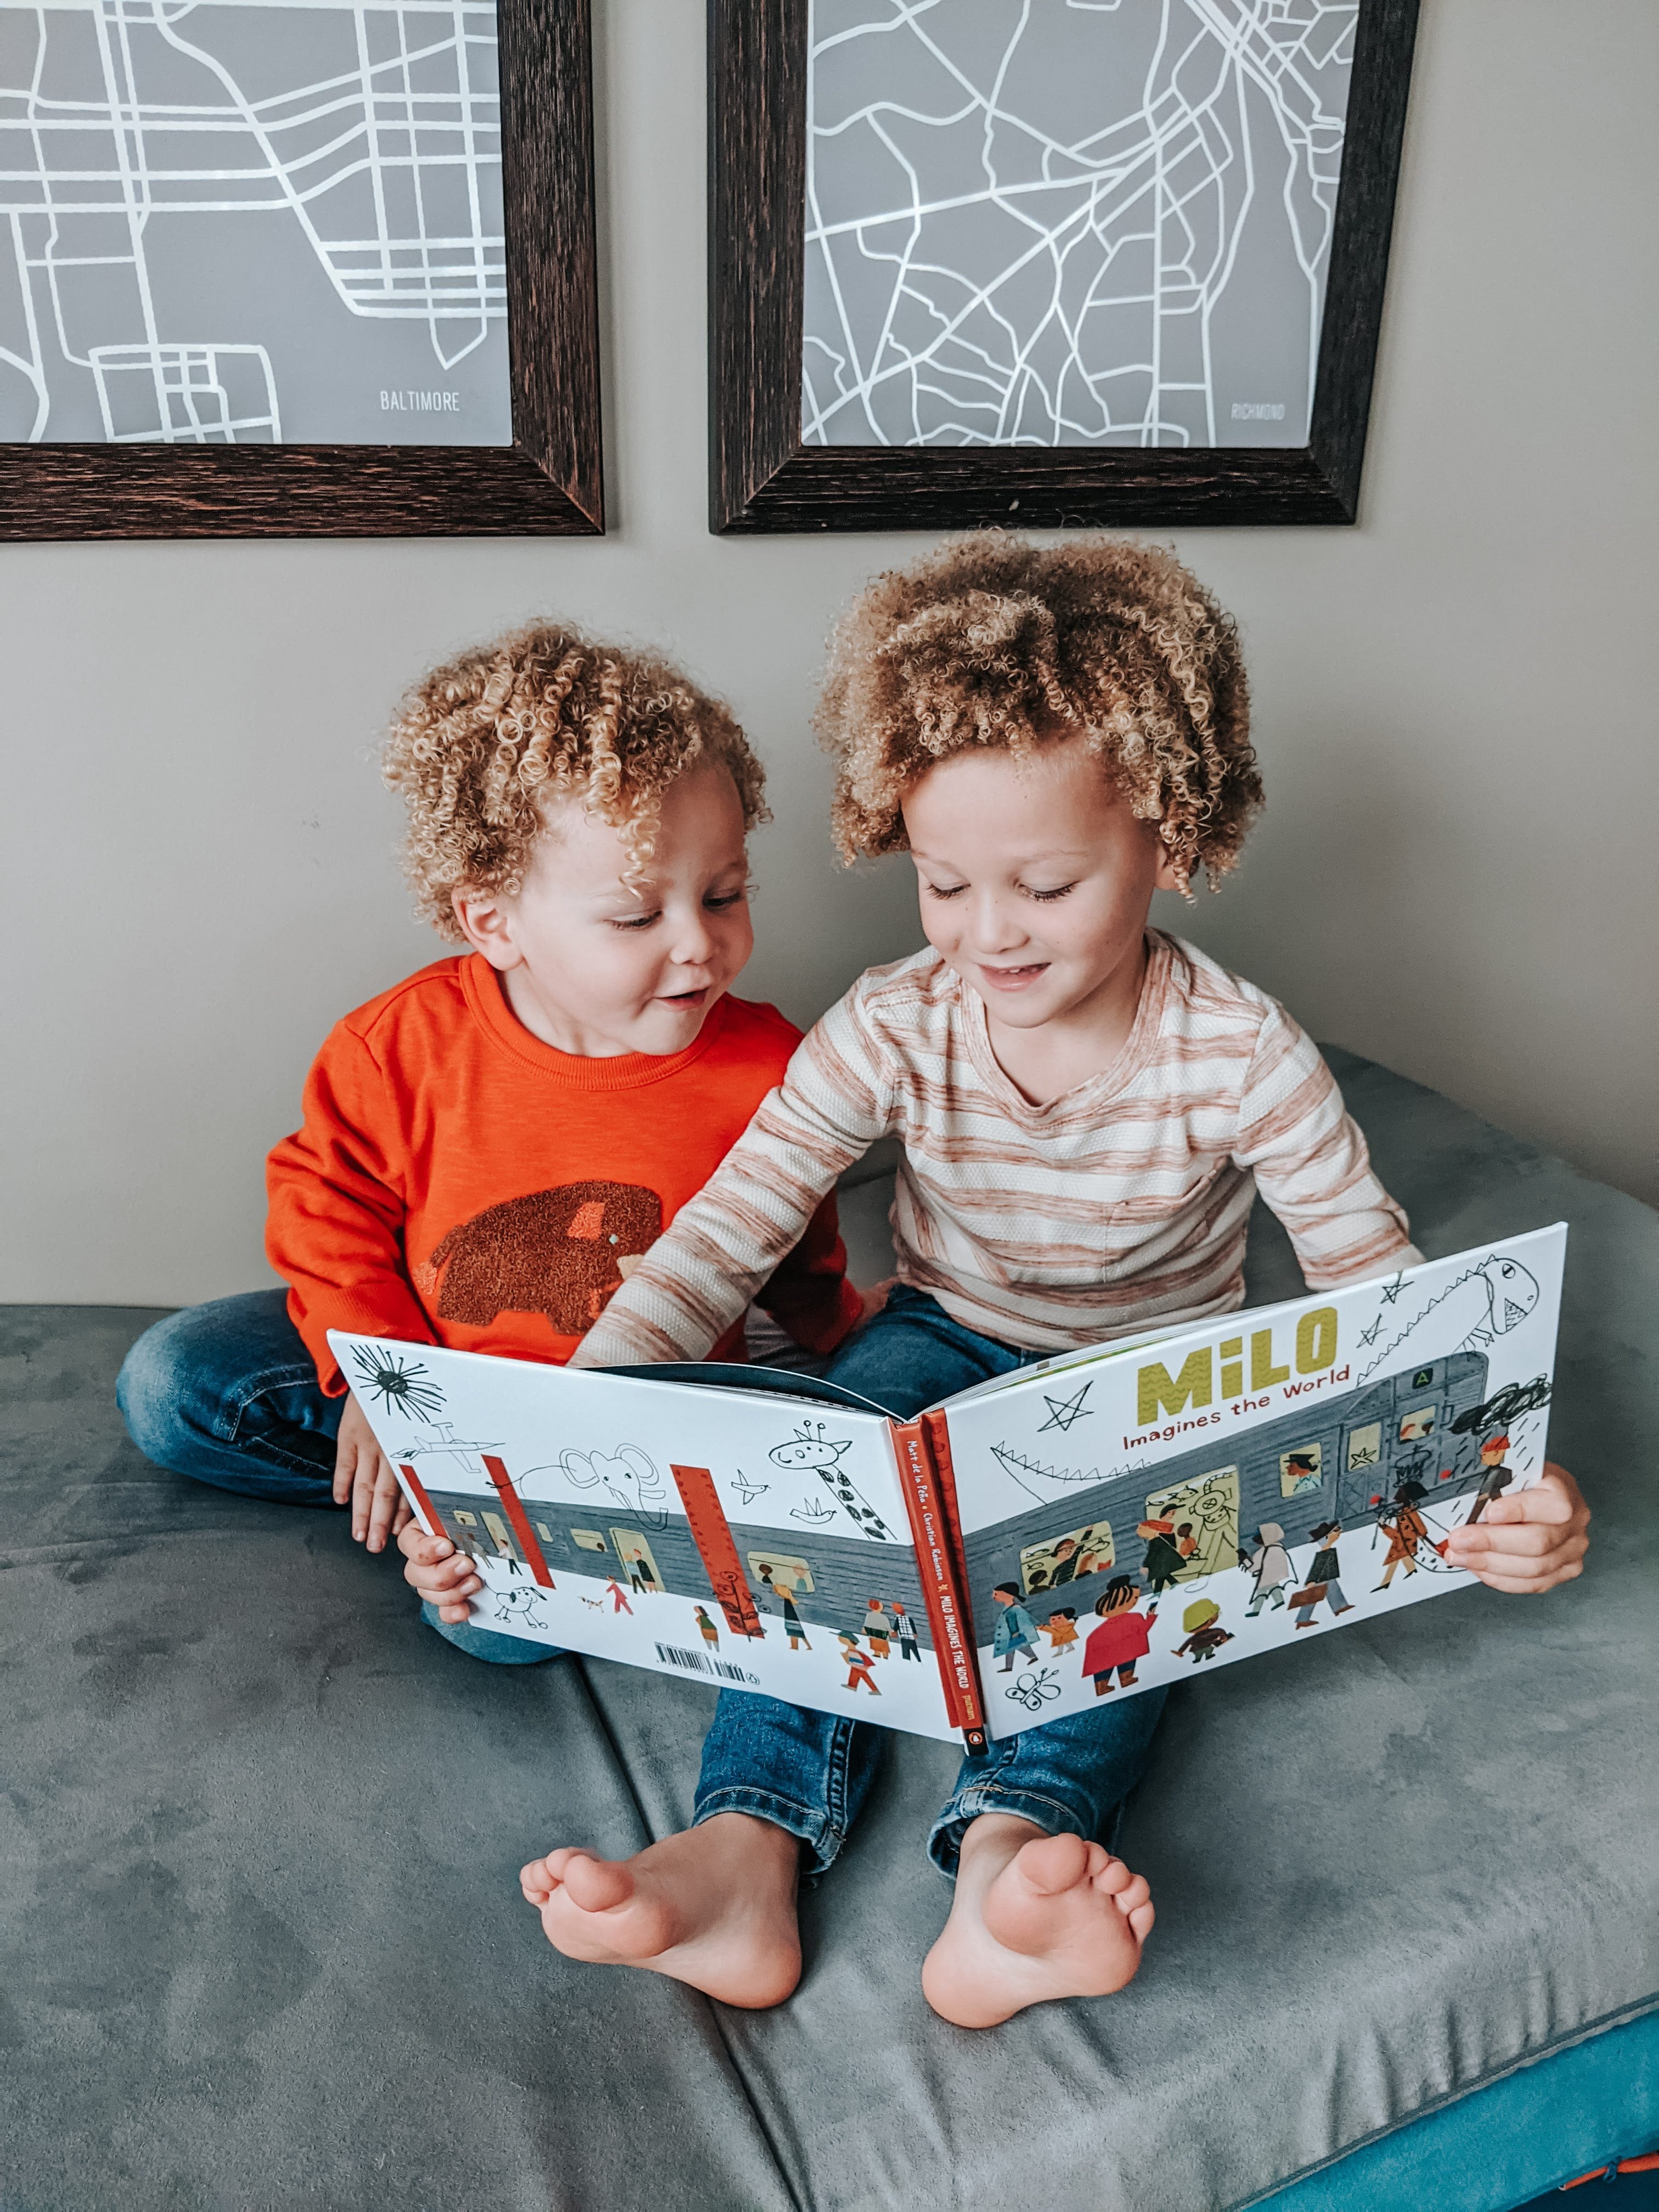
{"points": [[821, 1837], [1053, 1814]]}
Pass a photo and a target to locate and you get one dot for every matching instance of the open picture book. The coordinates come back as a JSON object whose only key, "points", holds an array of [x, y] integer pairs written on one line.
{"points": [[1090, 1525]]}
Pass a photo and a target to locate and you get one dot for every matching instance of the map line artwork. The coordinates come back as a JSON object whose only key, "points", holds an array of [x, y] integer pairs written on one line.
{"points": [[1083, 223], [228, 221]]}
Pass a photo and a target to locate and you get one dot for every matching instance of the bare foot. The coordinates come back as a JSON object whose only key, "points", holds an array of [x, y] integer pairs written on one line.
{"points": [[1035, 1917], [713, 1907]]}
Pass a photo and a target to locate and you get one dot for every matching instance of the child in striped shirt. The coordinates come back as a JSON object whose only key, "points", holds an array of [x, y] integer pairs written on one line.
{"points": [[1087, 1107]]}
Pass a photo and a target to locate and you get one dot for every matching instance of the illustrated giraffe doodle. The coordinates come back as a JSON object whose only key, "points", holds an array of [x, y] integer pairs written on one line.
{"points": [[1495, 1294], [809, 1448]]}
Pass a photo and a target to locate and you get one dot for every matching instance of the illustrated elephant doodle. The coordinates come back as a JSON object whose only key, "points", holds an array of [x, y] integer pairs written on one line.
{"points": [[628, 1477]]}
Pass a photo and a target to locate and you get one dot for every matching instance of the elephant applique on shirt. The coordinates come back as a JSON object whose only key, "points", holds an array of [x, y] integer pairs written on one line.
{"points": [[563, 1253]]}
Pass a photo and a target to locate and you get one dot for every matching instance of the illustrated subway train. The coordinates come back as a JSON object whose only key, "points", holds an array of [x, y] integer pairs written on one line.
{"points": [[1337, 1459]]}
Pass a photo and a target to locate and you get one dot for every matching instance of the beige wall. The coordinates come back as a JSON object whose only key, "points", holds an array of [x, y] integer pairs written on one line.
{"points": [[1455, 708]]}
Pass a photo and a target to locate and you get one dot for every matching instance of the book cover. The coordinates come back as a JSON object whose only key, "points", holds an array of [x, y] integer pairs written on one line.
{"points": [[1091, 1526]]}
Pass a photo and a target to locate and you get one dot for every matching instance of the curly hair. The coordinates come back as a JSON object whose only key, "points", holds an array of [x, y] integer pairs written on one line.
{"points": [[992, 641], [482, 744]]}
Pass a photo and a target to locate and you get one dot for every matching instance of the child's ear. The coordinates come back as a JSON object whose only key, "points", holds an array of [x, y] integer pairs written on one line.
{"points": [[486, 928]]}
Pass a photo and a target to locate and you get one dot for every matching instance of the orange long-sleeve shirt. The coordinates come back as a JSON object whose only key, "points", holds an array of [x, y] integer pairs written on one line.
{"points": [[455, 1181]]}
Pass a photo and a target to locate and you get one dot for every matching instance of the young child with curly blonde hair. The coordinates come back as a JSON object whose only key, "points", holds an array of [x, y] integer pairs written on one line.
{"points": [[1087, 1107], [489, 1147]]}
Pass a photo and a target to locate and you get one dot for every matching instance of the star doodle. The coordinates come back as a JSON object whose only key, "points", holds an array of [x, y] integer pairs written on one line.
{"points": [[1062, 1412], [1370, 1335], [1391, 1291]]}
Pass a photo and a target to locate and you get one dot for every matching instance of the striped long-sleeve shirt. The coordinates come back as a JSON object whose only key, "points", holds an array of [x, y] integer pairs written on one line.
{"points": [[1121, 1204]]}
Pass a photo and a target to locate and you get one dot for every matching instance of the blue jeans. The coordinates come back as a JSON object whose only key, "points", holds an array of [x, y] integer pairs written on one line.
{"points": [[227, 1393], [810, 1773]]}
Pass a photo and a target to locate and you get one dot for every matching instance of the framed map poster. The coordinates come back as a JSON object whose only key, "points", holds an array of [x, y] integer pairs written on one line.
{"points": [[1047, 263], [274, 268]]}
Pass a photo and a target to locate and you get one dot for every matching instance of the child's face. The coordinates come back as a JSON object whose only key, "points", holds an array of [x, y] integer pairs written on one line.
{"points": [[592, 967], [1035, 878]]}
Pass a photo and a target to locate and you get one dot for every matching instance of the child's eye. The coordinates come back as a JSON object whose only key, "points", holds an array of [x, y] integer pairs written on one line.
{"points": [[1058, 892], [718, 905], [638, 921], [944, 891]]}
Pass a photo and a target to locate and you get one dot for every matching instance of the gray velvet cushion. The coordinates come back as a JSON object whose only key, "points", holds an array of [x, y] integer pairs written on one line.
{"points": [[260, 1835]]}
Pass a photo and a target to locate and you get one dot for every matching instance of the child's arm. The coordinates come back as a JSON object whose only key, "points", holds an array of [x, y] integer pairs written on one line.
{"points": [[1311, 1164], [1528, 1544], [334, 1233], [810, 1295], [838, 1095]]}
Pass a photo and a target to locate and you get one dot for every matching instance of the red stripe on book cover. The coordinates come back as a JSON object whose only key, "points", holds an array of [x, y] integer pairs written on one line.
{"points": [[521, 1527], [711, 1532], [943, 1585], [422, 1502]]}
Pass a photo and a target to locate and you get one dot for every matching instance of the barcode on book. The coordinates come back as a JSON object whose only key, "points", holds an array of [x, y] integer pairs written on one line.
{"points": [[702, 1662]]}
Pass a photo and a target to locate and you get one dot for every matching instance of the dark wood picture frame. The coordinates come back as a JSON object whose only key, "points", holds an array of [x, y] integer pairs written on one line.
{"points": [[763, 476], [546, 483]]}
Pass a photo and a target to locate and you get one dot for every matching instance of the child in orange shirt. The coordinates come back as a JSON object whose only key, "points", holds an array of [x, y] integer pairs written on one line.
{"points": [[488, 1148]]}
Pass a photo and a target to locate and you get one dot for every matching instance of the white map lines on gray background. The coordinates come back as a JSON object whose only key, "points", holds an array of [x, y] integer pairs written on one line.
{"points": [[1059, 222], [252, 220]]}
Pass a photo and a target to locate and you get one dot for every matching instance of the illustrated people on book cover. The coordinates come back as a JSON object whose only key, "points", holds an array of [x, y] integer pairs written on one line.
{"points": [[1162, 1561], [858, 1664], [1270, 1563], [1405, 1529], [1495, 1478], [1067, 1558], [1060, 1628], [618, 1597], [1123, 1638], [707, 1630], [877, 1628], [1186, 1542], [905, 1630], [1322, 1586], [1205, 1634], [1016, 1631], [782, 1583]]}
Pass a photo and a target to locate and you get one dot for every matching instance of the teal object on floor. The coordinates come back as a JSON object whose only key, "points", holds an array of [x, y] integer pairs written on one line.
{"points": [[1509, 2143]]}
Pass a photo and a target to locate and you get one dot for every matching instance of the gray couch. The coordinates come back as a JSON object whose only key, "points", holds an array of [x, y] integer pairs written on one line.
{"points": [[262, 1832]]}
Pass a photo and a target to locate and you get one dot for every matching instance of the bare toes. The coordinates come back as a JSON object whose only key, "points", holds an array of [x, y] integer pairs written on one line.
{"points": [[1134, 1893], [1141, 1920], [1052, 1863], [1114, 1877]]}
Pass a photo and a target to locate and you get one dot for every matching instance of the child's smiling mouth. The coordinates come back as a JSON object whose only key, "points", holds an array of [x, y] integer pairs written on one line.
{"points": [[1013, 979]]}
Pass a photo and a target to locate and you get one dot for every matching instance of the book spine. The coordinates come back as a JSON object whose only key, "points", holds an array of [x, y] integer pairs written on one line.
{"points": [[416, 1490], [937, 1429], [943, 1588], [512, 1505]]}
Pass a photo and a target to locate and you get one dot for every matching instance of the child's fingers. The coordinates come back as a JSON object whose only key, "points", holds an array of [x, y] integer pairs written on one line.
{"points": [[1532, 1585], [363, 1492], [455, 1614], [1543, 1505], [345, 1465], [403, 1516], [1530, 1539], [383, 1505], [415, 1543]]}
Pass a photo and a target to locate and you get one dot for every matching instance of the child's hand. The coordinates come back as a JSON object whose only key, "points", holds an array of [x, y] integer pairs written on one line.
{"points": [[363, 1475], [1527, 1544], [873, 1300], [444, 1576]]}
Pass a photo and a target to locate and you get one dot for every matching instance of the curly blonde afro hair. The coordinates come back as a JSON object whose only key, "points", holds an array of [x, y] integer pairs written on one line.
{"points": [[482, 745], [994, 641]]}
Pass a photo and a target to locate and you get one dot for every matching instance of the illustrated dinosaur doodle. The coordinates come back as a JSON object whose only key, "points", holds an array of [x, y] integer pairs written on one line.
{"points": [[809, 1448], [627, 1476], [1027, 1472], [1492, 1297]]}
